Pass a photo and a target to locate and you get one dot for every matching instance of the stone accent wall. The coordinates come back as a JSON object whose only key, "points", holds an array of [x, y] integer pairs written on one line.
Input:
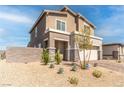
{"points": [[22, 54], [52, 54]]}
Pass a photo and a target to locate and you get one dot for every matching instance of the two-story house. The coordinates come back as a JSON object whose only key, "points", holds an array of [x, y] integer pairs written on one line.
{"points": [[57, 29]]}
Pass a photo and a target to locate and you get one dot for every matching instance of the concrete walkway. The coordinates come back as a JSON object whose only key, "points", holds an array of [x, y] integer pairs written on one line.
{"points": [[111, 64]]}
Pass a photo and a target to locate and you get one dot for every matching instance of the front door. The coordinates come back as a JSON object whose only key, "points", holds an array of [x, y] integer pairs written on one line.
{"points": [[62, 46]]}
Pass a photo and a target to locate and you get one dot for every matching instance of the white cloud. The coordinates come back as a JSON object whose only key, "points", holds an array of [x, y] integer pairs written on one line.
{"points": [[113, 26], [15, 17]]}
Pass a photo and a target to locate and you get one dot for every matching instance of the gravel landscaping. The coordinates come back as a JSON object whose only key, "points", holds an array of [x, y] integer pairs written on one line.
{"points": [[36, 74], [111, 64]]}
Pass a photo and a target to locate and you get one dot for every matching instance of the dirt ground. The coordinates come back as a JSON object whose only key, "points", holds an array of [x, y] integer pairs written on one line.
{"points": [[39, 75], [112, 65]]}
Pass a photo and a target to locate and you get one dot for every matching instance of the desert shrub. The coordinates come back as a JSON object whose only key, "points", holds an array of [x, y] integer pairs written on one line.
{"points": [[60, 71], [72, 63], [45, 56], [95, 64], [73, 80], [97, 73], [119, 61], [58, 57], [74, 67], [85, 66], [51, 66], [3, 56]]}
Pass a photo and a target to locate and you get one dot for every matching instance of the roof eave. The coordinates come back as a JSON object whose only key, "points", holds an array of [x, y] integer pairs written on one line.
{"points": [[37, 20], [75, 14], [45, 11]]}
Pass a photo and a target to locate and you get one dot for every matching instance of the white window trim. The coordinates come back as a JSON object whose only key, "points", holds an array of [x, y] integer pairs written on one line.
{"points": [[57, 31], [92, 36], [60, 39], [61, 21], [45, 39]]}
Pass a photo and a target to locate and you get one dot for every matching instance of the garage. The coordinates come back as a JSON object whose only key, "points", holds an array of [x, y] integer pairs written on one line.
{"points": [[89, 54]]}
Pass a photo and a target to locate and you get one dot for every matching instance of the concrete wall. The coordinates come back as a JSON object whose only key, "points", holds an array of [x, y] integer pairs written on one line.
{"points": [[24, 55]]}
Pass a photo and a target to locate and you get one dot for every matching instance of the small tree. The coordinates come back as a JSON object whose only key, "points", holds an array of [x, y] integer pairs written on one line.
{"points": [[45, 56], [83, 43], [58, 57]]}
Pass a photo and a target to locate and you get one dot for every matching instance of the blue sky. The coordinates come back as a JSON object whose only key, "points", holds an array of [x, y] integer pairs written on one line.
{"points": [[16, 21]]}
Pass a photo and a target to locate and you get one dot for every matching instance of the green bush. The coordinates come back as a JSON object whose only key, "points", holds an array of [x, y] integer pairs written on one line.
{"points": [[73, 80], [45, 56], [74, 67], [97, 73], [51, 66], [83, 66], [61, 71], [58, 57]]}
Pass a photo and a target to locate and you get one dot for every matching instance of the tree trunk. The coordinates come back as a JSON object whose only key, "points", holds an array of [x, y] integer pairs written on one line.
{"points": [[89, 56], [84, 58], [79, 55]]}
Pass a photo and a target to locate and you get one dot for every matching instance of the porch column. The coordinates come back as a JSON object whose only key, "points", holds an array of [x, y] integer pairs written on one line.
{"points": [[73, 50], [52, 54], [68, 52], [51, 48]]}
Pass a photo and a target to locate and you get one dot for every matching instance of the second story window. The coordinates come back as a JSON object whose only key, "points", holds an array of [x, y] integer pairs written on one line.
{"points": [[36, 32], [60, 25], [87, 29]]}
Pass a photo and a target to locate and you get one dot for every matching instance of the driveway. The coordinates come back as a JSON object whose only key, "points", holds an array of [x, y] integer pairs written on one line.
{"points": [[111, 64]]}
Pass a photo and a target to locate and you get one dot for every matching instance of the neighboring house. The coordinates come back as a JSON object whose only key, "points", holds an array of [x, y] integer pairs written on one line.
{"points": [[113, 51], [57, 29]]}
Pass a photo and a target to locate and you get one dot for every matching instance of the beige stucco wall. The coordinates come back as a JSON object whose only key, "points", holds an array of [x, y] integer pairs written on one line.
{"points": [[51, 20], [96, 42], [57, 36], [70, 21], [82, 23], [121, 50], [107, 51]]}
